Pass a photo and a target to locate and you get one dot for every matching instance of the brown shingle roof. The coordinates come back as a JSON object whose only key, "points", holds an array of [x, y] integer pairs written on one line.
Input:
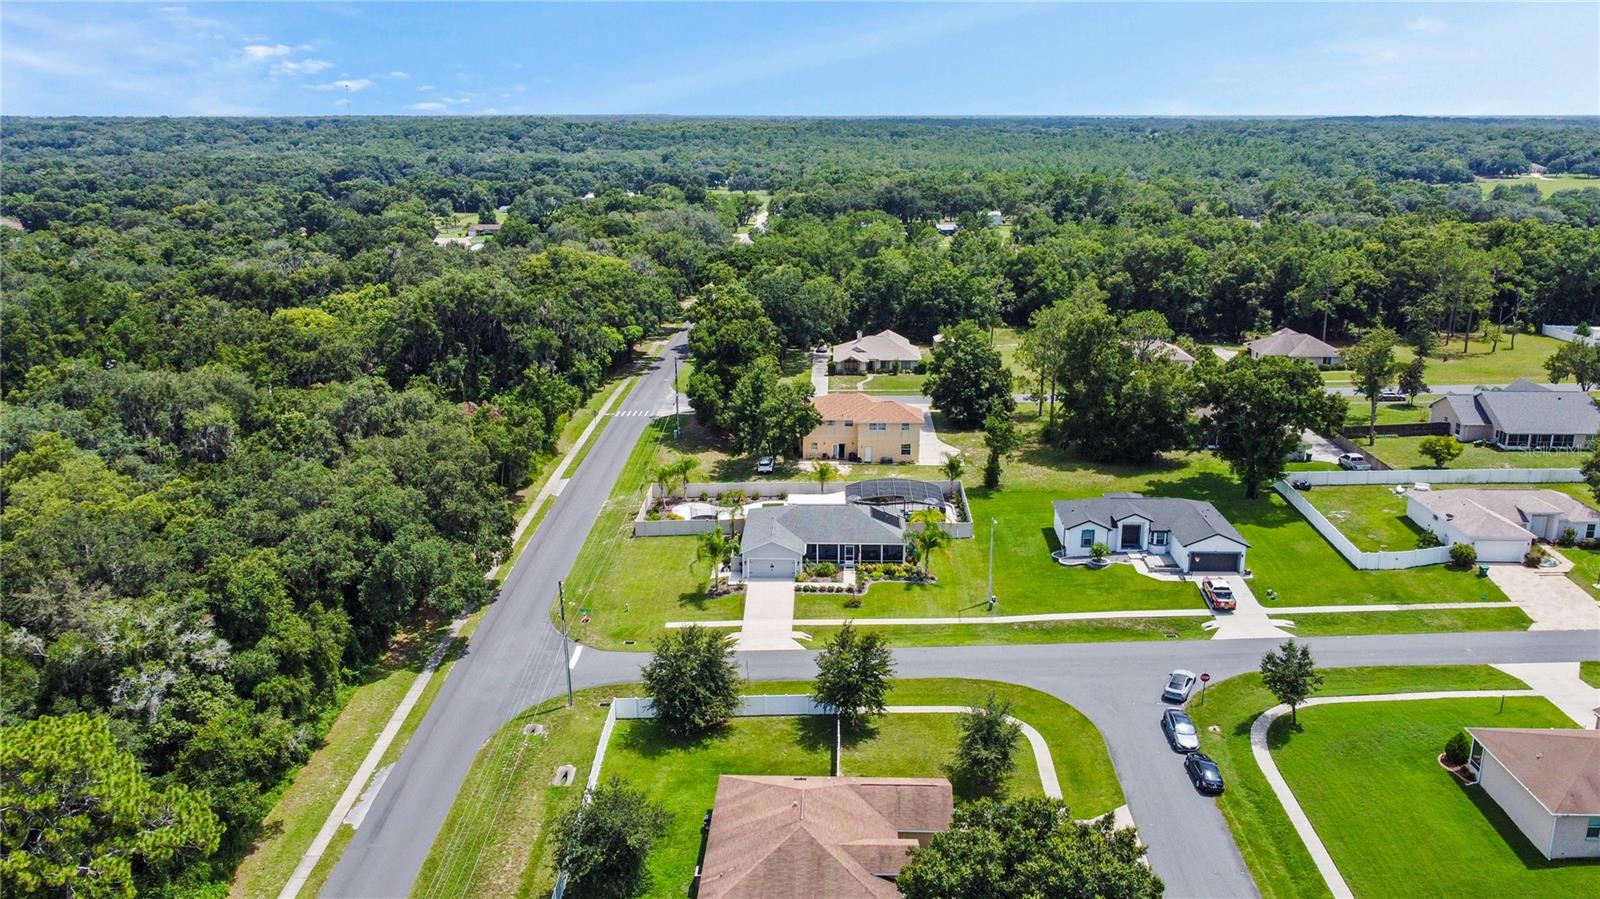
{"points": [[793, 837], [1561, 768], [861, 407]]}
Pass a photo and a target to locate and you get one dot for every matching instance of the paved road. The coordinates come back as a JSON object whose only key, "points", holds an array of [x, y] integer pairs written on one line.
{"points": [[1118, 686], [514, 660], [1463, 388]]}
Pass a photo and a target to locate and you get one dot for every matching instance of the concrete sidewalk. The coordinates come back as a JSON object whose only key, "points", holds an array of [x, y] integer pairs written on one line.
{"points": [[1559, 682]]}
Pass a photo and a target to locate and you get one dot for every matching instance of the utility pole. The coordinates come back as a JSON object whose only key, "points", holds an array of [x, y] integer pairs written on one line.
{"points": [[992, 600], [677, 420], [566, 644]]}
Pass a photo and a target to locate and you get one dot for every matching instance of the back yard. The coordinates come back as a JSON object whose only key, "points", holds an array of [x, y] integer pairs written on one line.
{"points": [[1480, 364], [1406, 452]]}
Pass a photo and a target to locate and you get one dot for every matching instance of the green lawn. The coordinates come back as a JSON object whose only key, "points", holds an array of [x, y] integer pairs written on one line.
{"points": [[1585, 568], [1547, 185], [1277, 859], [1360, 771], [1479, 364], [890, 385], [1103, 630], [1401, 413], [1590, 672], [1418, 621], [1374, 518], [1405, 452]]}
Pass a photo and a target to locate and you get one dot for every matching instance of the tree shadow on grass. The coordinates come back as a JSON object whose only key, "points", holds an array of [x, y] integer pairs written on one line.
{"points": [[649, 738], [1281, 733]]}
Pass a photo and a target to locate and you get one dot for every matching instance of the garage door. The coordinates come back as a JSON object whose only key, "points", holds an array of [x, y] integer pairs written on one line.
{"points": [[1214, 562]]}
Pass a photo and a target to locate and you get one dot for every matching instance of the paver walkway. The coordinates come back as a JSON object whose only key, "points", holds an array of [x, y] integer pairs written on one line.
{"points": [[1297, 816], [1550, 599], [1559, 682], [768, 622]]}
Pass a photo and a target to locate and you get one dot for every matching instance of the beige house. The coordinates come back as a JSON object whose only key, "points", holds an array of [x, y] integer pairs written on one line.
{"points": [[883, 351], [861, 428], [1546, 781]]}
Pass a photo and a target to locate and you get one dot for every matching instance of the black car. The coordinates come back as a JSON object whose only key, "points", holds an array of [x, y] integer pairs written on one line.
{"points": [[1203, 772], [1179, 728]]}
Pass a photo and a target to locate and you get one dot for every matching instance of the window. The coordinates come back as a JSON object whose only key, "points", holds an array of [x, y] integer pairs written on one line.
{"points": [[905, 449], [830, 422], [1475, 759], [1159, 538], [1588, 532], [878, 426], [904, 427], [1086, 539], [813, 446], [1458, 429], [1592, 832], [1562, 441], [849, 424], [894, 552]]}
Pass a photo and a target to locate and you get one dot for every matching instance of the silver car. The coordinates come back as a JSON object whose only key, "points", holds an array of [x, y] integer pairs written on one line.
{"points": [[1179, 728], [1179, 683]]}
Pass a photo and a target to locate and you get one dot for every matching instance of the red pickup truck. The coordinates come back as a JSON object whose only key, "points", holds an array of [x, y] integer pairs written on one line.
{"points": [[1217, 593]]}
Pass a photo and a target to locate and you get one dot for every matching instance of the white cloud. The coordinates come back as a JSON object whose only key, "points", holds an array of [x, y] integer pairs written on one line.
{"points": [[427, 107], [344, 84], [424, 88], [398, 74], [263, 52], [293, 67], [1425, 23], [48, 63], [456, 101]]}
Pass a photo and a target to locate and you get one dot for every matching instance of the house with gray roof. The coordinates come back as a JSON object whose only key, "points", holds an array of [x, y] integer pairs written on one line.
{"points": [[1291, 343], [1520, 416], [884, 351], [779, 540], [1191, 532], [1500, 525]]}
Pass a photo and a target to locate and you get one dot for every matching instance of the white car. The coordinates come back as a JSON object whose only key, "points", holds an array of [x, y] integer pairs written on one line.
{"points": [[1179, 683], [764, 465], [1354, 462]]}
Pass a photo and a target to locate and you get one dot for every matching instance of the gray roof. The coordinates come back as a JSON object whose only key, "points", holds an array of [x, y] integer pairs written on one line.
{"points": [[792, 527], [884, 346], [1464, 407], [1539, 410], [1291, 343], [1189, 520], [1485, 514]]}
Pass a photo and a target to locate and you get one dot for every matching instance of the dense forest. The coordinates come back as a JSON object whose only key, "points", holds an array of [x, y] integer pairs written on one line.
{"points": [[256, 419]]}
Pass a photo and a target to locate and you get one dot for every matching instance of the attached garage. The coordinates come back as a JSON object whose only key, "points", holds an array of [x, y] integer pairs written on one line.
{"points": [[1215, 562]]}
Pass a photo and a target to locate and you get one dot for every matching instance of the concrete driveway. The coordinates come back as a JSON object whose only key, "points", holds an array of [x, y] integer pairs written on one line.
{"points": [[768, 616], [1548, 597]]}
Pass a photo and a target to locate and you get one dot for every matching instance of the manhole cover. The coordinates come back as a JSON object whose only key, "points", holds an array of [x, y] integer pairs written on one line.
{"points": [[536, 730]]}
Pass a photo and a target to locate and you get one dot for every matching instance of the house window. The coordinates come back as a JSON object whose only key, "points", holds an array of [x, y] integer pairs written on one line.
{"points": [[1458, 429], [1159, 538], [1562, 441], [1592, 832], [1475, 759], [1588, 532], [830, 422], [849, 424], [878, 426], [905, 449], [904, 427], [1086, 539], [813, 446], [894, 552]]}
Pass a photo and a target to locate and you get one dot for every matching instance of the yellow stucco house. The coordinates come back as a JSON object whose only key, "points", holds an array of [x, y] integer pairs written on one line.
{"points": [[860, 428]]}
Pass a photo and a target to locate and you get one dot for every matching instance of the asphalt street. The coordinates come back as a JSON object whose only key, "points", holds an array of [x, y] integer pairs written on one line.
{"points": [[513, 661]]}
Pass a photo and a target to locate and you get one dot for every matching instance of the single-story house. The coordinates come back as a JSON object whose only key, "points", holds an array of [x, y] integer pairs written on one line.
{"points": [[1291, 343], [1500, 524], [859, 427], [1520, 416], [1546, 781], [1192, 532], [478, 228], [1161, 349], [947, 227], [779, 540], [798, 837], [883, 351]]}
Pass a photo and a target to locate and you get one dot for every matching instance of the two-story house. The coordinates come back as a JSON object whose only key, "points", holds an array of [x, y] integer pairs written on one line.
{"points": [[860, 428]]}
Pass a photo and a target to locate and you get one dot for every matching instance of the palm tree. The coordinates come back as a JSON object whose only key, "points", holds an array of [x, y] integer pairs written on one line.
{"points": [[825, 472], [684, 470], [927, 538], [954, 466], [716, 546]]}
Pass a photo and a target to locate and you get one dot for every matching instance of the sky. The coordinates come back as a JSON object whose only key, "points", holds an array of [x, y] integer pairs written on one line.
{"points": [[855, 59]]}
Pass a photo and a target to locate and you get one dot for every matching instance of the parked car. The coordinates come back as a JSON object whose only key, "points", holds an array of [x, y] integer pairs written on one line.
{"points": [[1218, 593], [1392, 396], [1300, 455], [1179, 683], [1354, 462], [764, 465], [1203, 772], [1179, 728]]}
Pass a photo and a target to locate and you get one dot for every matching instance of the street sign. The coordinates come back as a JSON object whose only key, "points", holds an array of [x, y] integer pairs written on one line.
{"points": [[1204, 678]]}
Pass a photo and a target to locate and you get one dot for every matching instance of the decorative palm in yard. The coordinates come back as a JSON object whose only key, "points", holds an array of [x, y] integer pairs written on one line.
{"points": [[718, 547], [825, 472], [954, 466], [929, 537]]}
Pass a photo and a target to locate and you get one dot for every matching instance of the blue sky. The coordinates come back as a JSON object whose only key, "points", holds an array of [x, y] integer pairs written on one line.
{"points": [[800, 59]]}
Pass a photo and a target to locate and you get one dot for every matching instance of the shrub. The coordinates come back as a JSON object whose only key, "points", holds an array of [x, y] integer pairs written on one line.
{"points": [[1534, 557], [1440, 450], [1569, 537], [1462, 555], [1457, 748], [823, 569], [1427, 540], [853, 602], [1099, 551]]}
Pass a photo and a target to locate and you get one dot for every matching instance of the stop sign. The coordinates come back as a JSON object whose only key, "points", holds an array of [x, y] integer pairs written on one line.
{"points": [[1205, 678]]}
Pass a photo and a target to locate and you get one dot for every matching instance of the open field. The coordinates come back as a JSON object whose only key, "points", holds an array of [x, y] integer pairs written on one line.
{"points": [[1361, 770], [1373, 517], [496, 840], [1277, 858], [1401, 413], [1405, 452], [1547, 184], [1479, 364]]}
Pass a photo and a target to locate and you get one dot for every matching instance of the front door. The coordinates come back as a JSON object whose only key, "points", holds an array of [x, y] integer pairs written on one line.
{"points": [[838, 451], [866, 454], [1130, 535], [847, 553]]}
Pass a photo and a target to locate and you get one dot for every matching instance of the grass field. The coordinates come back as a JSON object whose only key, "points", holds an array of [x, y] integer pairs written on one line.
{"points": [[1359, 771], [1277, 859], [1409, 621], [1585, 568], [1548, 184], [1389, 413], [496, 839], [1405, 452], [883, 385], [1590, 672], [1480, 364], [1374, 518]]}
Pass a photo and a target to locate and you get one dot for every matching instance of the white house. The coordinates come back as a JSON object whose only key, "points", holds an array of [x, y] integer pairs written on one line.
{"points": [[1520, 416], [779, 540], [1546, 781], [996, 217], [1500, 524], [1192, 532], [1291, 343]]}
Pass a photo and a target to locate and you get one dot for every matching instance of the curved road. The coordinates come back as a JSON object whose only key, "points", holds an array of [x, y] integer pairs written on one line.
{"points": [[515, 660]]}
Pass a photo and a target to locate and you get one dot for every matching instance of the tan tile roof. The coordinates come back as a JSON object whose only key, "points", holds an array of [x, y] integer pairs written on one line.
{"points": [[884, 346], [1561, 768], [861, 407], [794, 837]]}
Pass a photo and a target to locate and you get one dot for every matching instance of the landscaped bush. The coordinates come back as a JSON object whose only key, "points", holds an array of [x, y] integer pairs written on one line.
{"points": [[1427, 540], [1534, 557], [853, 602], [1462, 555], [1457, 748], [1569, 537], [822, 569]]}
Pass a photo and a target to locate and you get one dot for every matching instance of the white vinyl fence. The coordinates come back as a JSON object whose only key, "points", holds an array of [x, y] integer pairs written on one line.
{"points": [[1342, 478], [1568, 333], [791, 704], [756, 491], [1367, 561]]}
